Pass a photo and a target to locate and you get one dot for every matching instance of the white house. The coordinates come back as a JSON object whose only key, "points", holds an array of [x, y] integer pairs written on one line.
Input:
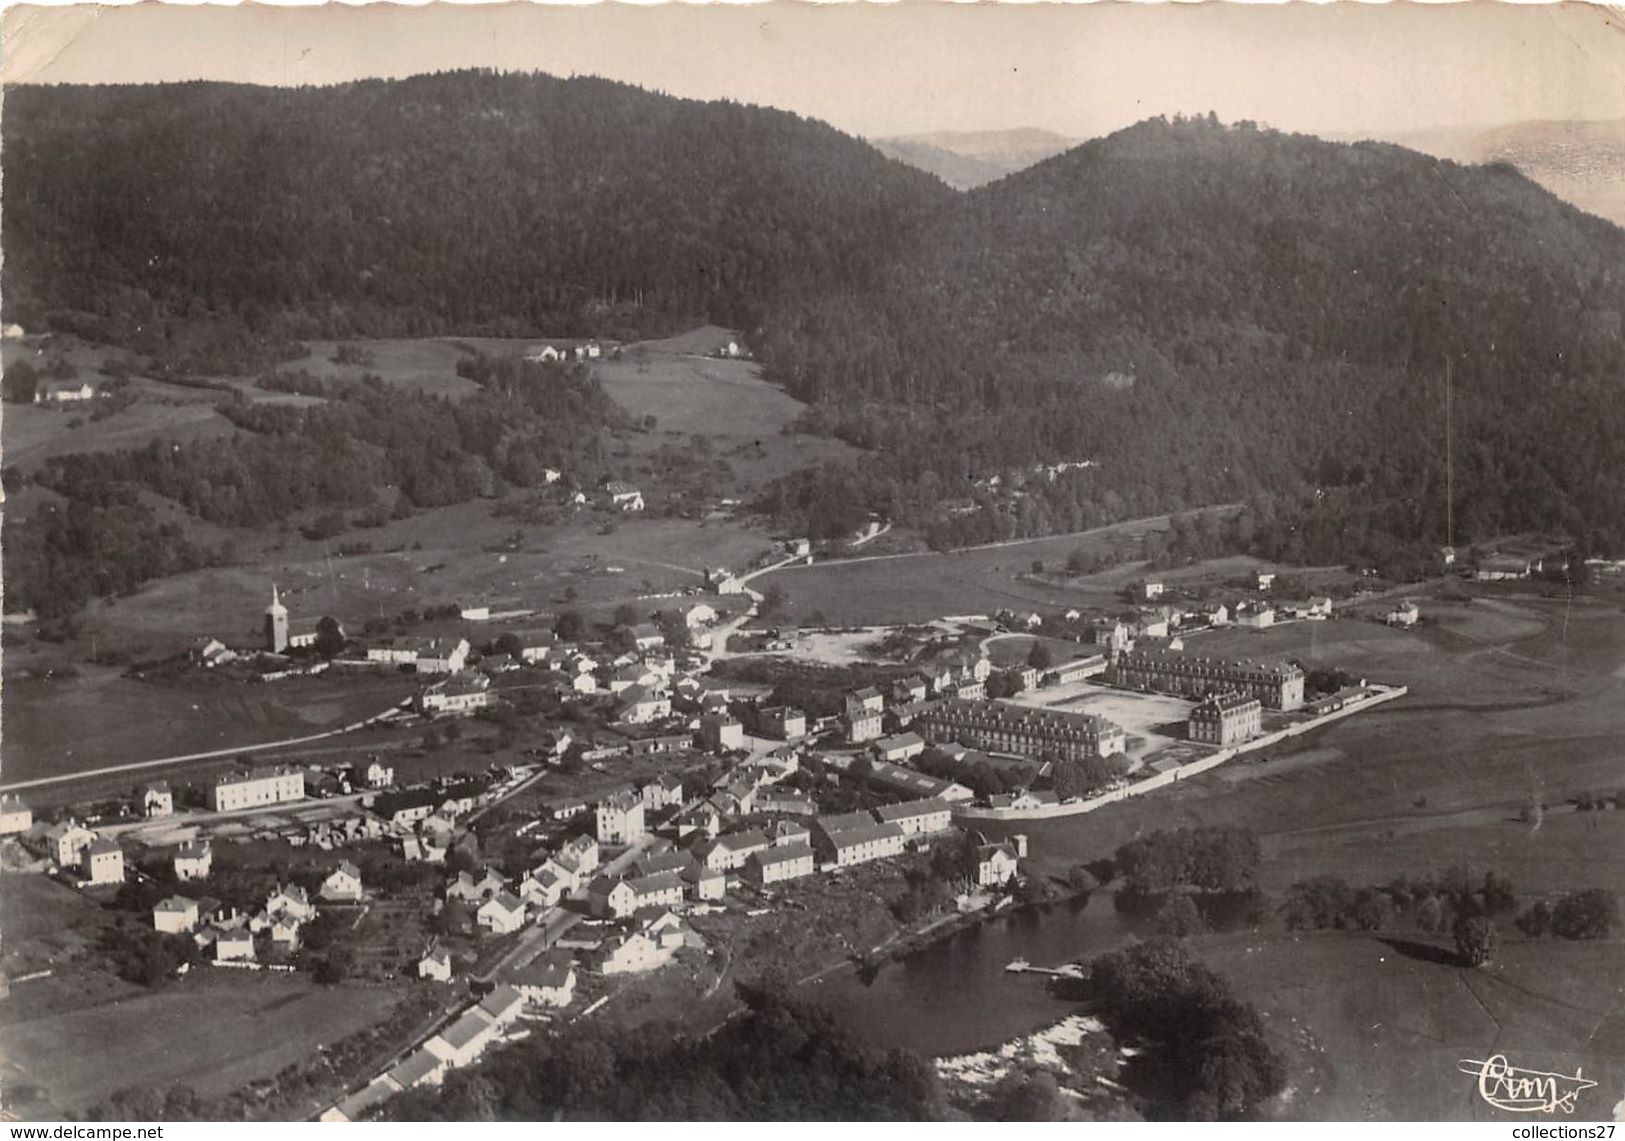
{"points": [[778, 864], [996, 864], [700, 614], [157, 801], [619, 819], [104, 861], [501, 914], [435, 964], [629, 954], [461, 1043], [623, 496], [15, 816], [441, 655], [194, 860], [68, 842], [234, 946], [547, 980], [1405, 613], [343, 885], [174, 916], [461, 694], [917, 817]]}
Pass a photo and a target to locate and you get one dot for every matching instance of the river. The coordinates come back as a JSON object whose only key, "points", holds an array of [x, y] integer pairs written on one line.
{"points": [[955, 996]]}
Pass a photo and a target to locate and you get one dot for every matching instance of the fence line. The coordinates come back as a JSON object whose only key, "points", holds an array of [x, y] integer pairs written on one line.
{"points": [[1162, 780]]}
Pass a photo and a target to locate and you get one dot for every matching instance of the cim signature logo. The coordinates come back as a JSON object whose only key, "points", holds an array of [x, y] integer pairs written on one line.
{"points": [[1525, 1091]]}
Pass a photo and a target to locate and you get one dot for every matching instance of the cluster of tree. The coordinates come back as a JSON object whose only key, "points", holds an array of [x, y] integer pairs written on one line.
{"points": [[783, 1059], [1209, 1057], [1589, 914], [1433, 904], [1085, 776], [1220, 858], [140, 955], [580, 206], [1089, 308], [334, 456]]}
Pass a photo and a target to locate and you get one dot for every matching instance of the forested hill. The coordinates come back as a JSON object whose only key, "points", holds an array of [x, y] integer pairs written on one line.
{"points": [[1217, 312], [460, 202]]}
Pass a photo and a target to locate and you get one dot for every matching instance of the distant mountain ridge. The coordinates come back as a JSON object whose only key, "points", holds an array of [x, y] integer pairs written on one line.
{"points": [[968, 159], [1581, 161]]}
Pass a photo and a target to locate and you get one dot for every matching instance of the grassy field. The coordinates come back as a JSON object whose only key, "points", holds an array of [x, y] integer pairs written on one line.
{"points": [[102, 718], [215, 1032], [1383, 1043], [723, 400], [426, 365], [918, 588]]}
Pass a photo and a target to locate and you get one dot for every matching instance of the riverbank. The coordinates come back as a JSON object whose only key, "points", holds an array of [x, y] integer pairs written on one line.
{"points": [[1077, 1053]]}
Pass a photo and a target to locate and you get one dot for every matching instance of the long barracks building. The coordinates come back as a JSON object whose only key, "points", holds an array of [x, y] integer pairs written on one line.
{"points": [[1277, 685], [1000, 727]]}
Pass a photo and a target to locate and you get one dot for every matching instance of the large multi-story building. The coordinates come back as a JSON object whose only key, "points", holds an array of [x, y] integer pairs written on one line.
{"points": [[1225, 718], [619, 819], [1000, 727], [1277, 685], [236, 791]]}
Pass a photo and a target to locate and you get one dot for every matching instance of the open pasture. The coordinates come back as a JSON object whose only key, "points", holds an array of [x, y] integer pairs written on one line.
{"points": [[216, 1032], [101, 718], [427, 365], [981, 580], [726, 401], [1374, 1025]]}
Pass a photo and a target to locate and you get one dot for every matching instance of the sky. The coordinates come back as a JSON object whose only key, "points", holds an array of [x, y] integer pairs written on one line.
{"points": [[926, 65]]}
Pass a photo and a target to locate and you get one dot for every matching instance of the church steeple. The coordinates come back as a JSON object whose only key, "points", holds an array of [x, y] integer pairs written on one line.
{"points": [[276, 623]]}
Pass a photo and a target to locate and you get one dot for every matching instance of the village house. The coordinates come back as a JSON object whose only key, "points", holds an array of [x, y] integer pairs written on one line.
{"points": [[619, 819], [866, 700], [391, 652], [628, 676], [502, 1006], [234, 946], [997, 864], [374, 774], [544, 888], [176, 915], [727, 853], [441, 655], [547, 980], [63, 391], [789, 800], [68, 841], [702, 883], [1151, 589], [15, 816], [234, 792], [1254, 617], [470, 890], [615, 898], [902, 747], [1263, 580], [1214, 613], [630, 954], [104, 862], [664, 791], [462, 1043], [157, 801], [623, 496], [1225, 719], [194, 860], [847, 846], [908, 689], [435, 964], [917, 817], [782, 722], [463, 693], [405, 808], [421, 1068], [502, 914], [1318, 609], [775, 865], [581, 853], [1405, 613], [640, 706], [699, 614], [703, 819], [290, 902], [343, 885], [721, 732]]}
